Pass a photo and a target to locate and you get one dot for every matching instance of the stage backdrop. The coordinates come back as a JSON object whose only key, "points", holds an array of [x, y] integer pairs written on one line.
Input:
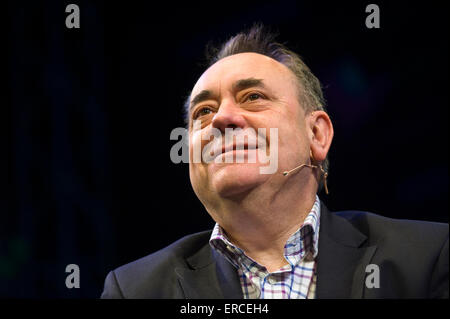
{"points": [[85, 169]]}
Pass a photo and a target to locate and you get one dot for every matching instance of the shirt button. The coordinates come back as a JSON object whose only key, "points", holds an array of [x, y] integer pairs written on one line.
{"points": [[272, 280]]}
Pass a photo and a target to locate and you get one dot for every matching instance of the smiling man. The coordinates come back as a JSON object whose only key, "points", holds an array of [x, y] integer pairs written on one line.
{"points": [[273, 236]]}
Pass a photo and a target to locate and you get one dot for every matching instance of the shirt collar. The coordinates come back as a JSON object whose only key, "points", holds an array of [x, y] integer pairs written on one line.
{"points": [[303, 243]]}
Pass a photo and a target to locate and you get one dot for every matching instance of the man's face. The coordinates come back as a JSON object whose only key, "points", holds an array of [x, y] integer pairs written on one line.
{"points": [[247, 91]]}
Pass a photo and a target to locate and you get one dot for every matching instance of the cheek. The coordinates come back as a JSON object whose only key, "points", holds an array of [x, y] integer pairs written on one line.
{"points": [[195, 140], [292, 137], [276, 122], [287, 128], [196, 173]]}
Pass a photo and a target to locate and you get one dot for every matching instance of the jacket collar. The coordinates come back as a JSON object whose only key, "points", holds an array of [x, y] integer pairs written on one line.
{"points": [[342, 259], [209, 276]]}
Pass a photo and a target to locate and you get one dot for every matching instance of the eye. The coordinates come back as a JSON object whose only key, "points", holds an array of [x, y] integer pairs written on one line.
{"points": [[201, 112], [254, 96]]}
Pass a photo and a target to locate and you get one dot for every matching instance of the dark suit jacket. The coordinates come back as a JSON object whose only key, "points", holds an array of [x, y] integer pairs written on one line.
{"points": [[412, 258]]}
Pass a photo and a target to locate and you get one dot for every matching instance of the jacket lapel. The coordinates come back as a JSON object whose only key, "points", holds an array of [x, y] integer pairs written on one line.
{"points": [[342, 258], [228, 278], [209, 276]]}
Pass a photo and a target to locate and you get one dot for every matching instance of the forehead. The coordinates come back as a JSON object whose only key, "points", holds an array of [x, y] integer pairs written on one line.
{"points": [[228, 70]]}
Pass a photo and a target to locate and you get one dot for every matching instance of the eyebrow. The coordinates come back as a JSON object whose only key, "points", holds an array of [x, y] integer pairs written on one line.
{"points": [[247, 83], [202, 96], [237, 86]]}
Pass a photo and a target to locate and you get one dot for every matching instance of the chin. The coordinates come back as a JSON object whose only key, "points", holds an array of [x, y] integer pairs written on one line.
{"points": [[230, 180]]}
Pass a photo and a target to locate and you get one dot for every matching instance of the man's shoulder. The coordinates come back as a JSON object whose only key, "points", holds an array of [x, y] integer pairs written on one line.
{"points": [[154, 276], [377, 227], [411, 255], [175, 254]]}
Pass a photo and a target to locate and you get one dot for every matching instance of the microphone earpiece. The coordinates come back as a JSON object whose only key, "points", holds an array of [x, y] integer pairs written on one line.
{"points": [[324, 173], [285, 173]]}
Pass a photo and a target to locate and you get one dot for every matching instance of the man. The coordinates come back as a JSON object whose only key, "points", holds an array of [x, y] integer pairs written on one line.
{"points": [[273, 237]]}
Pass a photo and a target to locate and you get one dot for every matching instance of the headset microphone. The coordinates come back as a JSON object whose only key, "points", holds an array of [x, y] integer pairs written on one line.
{"points": [[325, 174], [285, 173]]}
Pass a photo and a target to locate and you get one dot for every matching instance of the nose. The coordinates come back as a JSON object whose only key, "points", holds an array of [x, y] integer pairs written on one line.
{"points": [[229, 115]]}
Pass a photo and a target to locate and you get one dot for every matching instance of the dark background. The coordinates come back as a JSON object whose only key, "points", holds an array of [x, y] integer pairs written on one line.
{"points": [[86, 176]]}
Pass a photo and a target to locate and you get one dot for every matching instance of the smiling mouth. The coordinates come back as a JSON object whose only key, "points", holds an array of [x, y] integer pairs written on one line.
{"points": [[235, 150], [244, 147]]}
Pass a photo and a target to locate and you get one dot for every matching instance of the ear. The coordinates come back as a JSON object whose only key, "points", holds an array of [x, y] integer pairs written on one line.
{"points": [[321, 134]]}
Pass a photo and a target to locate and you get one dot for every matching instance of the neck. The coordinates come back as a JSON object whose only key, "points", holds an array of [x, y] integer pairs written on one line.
{"points": [[261, 221]]}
